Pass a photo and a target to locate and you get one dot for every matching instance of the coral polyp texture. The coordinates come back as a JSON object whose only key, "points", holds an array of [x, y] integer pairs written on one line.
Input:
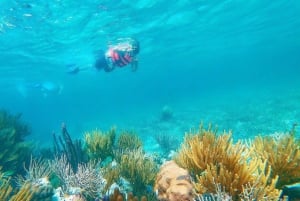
{"points": [[215, 160], [173, 183]]}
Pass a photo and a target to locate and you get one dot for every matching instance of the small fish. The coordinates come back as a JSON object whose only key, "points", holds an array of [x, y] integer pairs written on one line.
{"points": [[292, 191]]}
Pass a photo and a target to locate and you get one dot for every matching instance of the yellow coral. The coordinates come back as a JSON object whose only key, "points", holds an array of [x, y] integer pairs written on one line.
{"points": [[111, 175], [99, 145], [138, 169], [128, 140], [5, 189], [283, 154], [24, 194], [215, 160], [204, 147], [262, 188], [249, 182]]}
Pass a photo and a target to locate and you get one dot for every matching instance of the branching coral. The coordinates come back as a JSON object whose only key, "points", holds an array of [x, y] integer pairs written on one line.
{"points": [[37, 175], [5, 187], [38, 169], [128, 140], [283, 155], [216, 160], [99, 145], [138, 169], [204, 147], [24, 194], [87, 179], [14, 121], [15, 150], [241, 185], [111, 174]]}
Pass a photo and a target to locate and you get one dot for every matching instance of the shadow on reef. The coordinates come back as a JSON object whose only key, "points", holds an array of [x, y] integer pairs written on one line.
{"points": [[113, 166]]}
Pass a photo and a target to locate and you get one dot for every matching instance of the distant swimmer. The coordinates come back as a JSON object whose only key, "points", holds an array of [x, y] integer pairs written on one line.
{"points": [[123, 53], [119, 55], [46, 88]]}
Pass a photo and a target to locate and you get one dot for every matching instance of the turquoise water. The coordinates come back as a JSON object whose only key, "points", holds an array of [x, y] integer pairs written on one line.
{"points": [[235, 64]]}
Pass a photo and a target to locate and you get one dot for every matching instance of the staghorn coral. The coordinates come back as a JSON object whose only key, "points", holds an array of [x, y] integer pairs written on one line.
{"points": [[173, 183], [99, 145], [37, 174], [38, 169], [140, 170], [282, 152], [128, 140], [87, 180], [216, 160], [15, 150]]}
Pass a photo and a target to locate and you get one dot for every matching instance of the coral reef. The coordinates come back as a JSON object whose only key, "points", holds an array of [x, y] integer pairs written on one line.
{"points": [[128, 140], [5, 187], [214, 159], [37, 175], [87, 180], [73, 150], [257, 186], [38, 169], [111, 174], [24, 194], [208, 166], [204, 147], [140, 170], [15, 151], [99, 145], [173, 183], [116, 195], [282, 152]]}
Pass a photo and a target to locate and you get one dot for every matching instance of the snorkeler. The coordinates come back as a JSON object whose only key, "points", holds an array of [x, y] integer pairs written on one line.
{"points": [[46, 88], [122, 54]]}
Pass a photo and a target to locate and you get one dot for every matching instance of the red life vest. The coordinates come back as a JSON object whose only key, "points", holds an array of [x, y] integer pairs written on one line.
{"points": [[120, 58]]}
